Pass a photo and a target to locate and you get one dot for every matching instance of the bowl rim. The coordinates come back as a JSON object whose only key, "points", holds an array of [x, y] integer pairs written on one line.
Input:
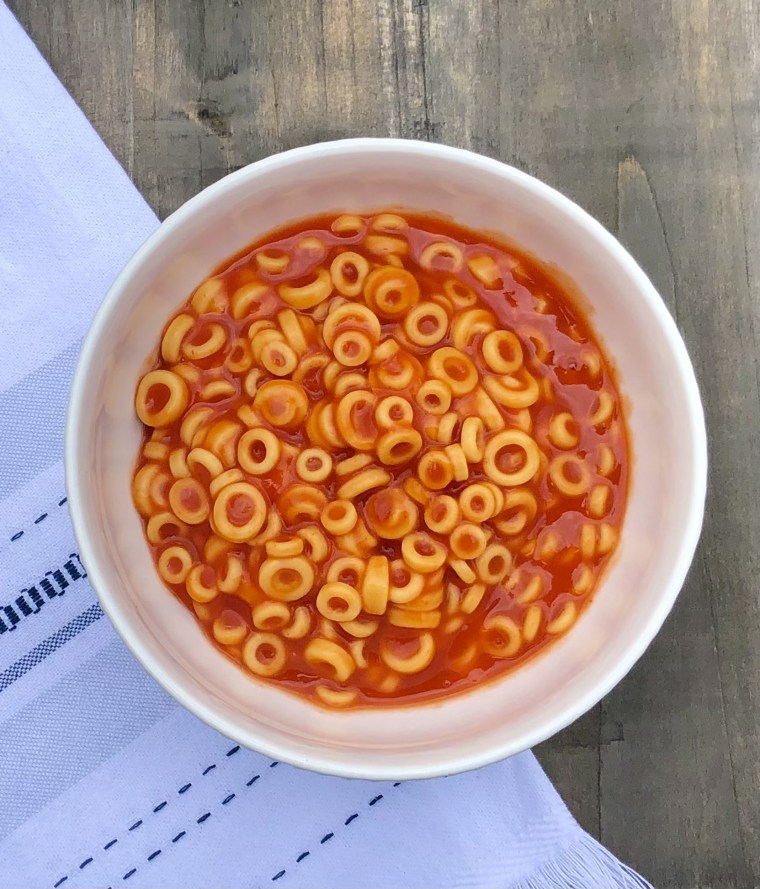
{"points": [[333, 764]]}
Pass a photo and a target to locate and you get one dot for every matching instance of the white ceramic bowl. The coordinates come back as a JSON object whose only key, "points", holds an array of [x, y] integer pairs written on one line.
{"points": [[665, 420]]}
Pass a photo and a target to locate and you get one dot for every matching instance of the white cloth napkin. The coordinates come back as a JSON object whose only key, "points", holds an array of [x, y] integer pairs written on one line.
{"points": [[105, 781]]}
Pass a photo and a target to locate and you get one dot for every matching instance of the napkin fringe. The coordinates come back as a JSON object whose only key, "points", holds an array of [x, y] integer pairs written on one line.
{"points": [[586, 864]]}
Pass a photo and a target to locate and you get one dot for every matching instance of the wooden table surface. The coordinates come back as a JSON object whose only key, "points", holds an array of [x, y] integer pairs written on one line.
{"points": [[643, 111]]}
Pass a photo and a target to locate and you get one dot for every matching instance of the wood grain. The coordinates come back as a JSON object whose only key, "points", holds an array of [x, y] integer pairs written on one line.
{"points": [[646, 113]]}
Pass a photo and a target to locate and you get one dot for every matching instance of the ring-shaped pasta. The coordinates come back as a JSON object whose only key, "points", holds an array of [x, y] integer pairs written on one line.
{"points": [[189, 501], [606, 461], [486, 409], [240, 511], [348, 225], [562, 622], [413, 620], [270, 615], [444, 430], [210, 297], [347, 569], [519, 508], [387, 246], [150, 489], [493, 564], [217, 390], [240, 358], [392, 411], [398, 372], [204, 465], [502, 637], [335, 697], [604, 411], [253, 299], [229, 628], [315, 545], [511, 391], [391, 292], [314, 465], [348, 381], [200, 584], [272, 262], [531, 623], [414, 663], [282, 403], [472, 598], [299, 625], [281, 549], [156, 450], [434, 470], [442, 256], [461, 294], [398, 446], [462, 569], [348, 271], [468, 324], [426, 324], [477, 502], [258, 451], [307, 295], [563, 431], [161, 398], [434, 396], [286, 580], [338, 601], [271, 529], [163, 525], [599, 501], [511, 458], [293, 329], [215, 338], [391, 513], [458, 462], [376, 585], [570, 475], [264, 654], [405, 584], [175, 333], [339, 517], [455, 369], [350, 465], [468, 541], [389, 222], [354, 417], [361, 629], [301, 502], [174, 564], [279, 358], [502, 351], [352, 348], [330, 654], [231, 576], [350, 316], [422, 553], [486, 271], [442, 514], [221, 439], [310, 367]]}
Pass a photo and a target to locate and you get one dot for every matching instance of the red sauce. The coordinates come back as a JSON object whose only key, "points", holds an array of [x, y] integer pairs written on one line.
{"points": [[560, 353]]}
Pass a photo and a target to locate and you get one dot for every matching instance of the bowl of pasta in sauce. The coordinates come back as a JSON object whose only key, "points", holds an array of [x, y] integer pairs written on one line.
{"points": [[385, 458]]}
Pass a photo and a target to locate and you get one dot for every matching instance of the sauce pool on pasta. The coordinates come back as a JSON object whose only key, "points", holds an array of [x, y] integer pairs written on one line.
{"points": [[384, 458]]}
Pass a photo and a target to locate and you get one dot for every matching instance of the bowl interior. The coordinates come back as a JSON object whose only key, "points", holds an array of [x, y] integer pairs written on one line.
{"points": [[664, 416]]}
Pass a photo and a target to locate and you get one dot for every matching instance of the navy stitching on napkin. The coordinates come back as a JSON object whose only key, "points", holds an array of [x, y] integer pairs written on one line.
{"points": [[30, 601], [45, 648], [40, 518], [201, 820], [328, 836]]}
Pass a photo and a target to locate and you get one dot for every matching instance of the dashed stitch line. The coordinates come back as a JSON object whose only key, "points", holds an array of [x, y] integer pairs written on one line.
{"points": [[40, 518], [328, 836], [158, 808]]}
